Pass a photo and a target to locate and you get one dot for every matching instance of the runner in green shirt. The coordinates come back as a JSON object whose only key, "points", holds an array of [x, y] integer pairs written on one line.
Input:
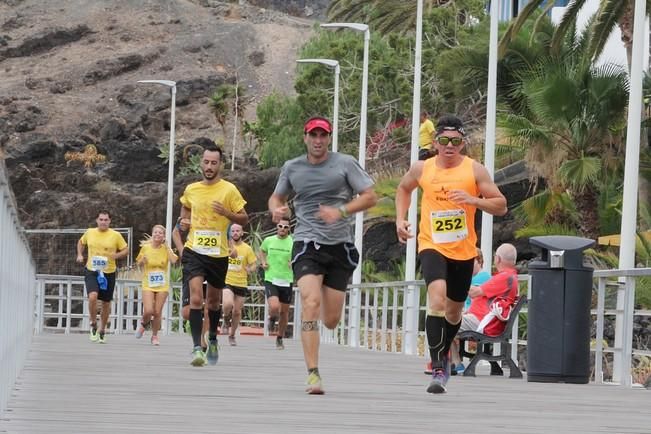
{"points": [[275, 258]]}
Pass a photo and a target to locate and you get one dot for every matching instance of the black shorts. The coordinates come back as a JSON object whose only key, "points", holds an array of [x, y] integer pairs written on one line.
{"points": [[284, 293], [457, 274], [425, 154], [240, 291], [213, 270], [185, 293], [90, 279], [335, 263]]}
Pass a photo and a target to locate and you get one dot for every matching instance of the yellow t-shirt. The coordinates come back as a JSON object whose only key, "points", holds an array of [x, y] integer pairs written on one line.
{"points": [[237, 275], [100, 245], [154, 277], [425, 137], [208, 230]]}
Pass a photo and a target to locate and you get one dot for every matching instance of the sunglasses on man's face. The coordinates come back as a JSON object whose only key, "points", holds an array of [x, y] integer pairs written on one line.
{"points": [[444, 140], [283, 226], [317, 134]]}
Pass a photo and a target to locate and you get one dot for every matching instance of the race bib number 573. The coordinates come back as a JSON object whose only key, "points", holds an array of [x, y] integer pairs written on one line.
{"points": [[449, 226], [207, 242]]}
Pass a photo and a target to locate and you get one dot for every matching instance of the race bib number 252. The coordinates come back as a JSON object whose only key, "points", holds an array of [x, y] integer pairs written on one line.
{"points": [[449, 226]]}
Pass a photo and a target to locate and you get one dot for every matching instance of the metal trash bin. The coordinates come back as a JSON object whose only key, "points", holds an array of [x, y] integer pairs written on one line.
{"points": [[558, 325]]}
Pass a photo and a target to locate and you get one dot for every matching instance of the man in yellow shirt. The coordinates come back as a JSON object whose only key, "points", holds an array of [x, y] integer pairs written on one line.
{"points": [[211, 204], [426, 137], [104, 247], [236, 282]]}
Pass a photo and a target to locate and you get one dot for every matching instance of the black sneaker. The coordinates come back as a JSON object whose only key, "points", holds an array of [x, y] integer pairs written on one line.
{"points": [[279, 343]]}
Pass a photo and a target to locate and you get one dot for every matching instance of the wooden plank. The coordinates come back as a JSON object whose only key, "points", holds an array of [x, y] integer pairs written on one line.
{"points": [[71, 385]]}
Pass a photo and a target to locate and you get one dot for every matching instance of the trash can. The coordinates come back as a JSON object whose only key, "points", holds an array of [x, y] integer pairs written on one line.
{"points": [[558, 325]]}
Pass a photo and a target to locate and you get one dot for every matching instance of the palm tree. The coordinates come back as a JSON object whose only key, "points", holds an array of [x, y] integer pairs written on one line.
{"points": [[572, 126], [611, 13], [384, 16]]}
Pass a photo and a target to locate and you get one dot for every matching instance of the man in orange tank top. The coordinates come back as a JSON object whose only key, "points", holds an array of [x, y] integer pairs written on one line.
{"points": [[454, 187]]}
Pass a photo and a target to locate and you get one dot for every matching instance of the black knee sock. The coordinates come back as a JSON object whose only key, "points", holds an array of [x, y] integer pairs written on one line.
{"points": [[214, 316], [450, 332], [196, 324], [435, 329]]}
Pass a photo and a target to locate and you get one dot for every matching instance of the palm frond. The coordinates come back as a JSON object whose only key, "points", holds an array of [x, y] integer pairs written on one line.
{"points": [[567, 25], [515, 26], [608, 16], [549, 229], [578, 173]]}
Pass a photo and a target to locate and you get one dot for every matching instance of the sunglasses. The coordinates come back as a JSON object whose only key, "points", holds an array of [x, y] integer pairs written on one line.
{"points": [[283, 226], [315, 134], [444, 140]]}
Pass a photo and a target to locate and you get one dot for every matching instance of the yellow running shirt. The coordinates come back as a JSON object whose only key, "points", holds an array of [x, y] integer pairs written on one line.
{"points": [[208, 230], [447, 227], [154, 277], [101, 244], [237, 275]]}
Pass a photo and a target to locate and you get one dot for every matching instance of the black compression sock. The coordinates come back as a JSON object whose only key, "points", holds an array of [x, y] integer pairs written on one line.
{"points": [[214, 317], [196, 324], [450, 333], [435, 329]]}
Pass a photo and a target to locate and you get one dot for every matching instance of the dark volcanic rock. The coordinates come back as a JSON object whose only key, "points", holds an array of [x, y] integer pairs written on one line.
{"points": [[107, 68], [46, 41]]}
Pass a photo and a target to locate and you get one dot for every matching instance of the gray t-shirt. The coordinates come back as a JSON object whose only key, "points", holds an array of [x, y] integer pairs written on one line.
{"points": [[333, 182]]}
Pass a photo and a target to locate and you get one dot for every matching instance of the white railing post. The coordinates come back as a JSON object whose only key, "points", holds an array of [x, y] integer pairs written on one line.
{"points": [[627, 344], [599, 332]]}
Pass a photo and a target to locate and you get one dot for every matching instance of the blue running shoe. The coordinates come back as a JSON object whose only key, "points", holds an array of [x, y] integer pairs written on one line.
{"points": [[459, 369], [212, 354]]}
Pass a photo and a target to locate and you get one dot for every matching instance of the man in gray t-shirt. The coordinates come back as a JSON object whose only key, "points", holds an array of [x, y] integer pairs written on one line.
{"points": [[329, 188]]}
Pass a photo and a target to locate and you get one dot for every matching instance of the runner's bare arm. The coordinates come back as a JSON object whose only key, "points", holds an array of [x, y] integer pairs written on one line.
{"points": [[408, 183]]}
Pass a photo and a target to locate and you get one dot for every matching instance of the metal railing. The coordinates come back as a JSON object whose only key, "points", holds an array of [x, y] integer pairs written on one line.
{"points": [[387, 322], [17, 284], [62, 307]]}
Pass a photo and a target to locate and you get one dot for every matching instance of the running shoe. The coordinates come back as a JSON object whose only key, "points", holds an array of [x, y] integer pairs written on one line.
{"points": [[155, 341], [279, 343], [439, 380], [459, 369], [198, 357], [101, 338], [314, 385], [212, 354], [232, 341], [94, 336], [140, 332]]}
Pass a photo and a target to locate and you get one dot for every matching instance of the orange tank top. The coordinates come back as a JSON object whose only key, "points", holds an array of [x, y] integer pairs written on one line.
{"points": [[447, 227]]}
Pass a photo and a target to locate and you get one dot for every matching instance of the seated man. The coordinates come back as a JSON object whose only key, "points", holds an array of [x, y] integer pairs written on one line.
{"points": [[503, 284]]}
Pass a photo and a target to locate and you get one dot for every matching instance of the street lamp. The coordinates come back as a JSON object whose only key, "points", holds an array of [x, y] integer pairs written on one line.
{"points": [[335, 111], [412, 298], [626, 300], [170, 167], [355, 301]]}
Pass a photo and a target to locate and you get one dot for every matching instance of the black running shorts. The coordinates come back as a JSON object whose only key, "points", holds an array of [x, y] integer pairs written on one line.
{"points": [[90, 278], [457, 274], [213, 270], [335, 263]]}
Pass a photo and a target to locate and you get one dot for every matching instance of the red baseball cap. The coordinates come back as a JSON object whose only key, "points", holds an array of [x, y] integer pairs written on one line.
{"points": [[315, 123]]}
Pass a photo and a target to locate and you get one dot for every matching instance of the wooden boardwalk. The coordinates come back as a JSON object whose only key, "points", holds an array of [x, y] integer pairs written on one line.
{"points": [[70, 385]]}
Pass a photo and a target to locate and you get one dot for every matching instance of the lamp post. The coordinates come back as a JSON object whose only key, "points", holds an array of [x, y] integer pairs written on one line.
{"points": [[335, 111], [412, 302], [625, 301], [170, 166], [355, 299], [491, 120]]}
